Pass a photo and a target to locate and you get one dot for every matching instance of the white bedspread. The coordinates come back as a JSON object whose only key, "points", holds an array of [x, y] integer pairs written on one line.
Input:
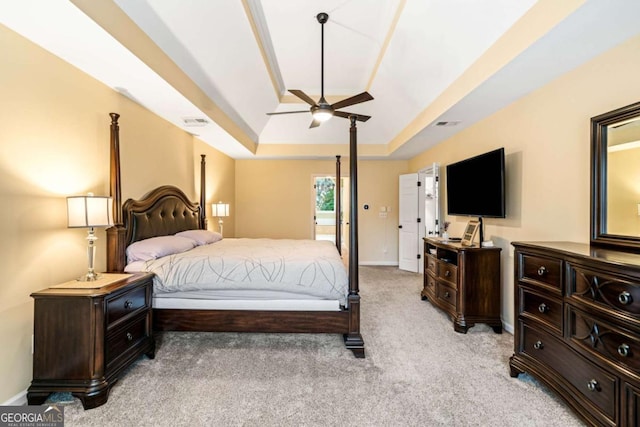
{"points": [[306, 267]]}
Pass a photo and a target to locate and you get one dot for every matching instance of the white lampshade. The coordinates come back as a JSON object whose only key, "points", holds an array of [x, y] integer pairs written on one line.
{"points": [[89, 211], [220, 209]]}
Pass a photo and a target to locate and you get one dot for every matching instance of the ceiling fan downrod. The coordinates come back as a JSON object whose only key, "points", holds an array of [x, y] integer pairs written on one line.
{"points": [[322, 19]]}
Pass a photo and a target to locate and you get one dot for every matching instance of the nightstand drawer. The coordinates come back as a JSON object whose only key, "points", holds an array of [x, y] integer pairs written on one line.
{"points": [[126, 337], [126, 304]]}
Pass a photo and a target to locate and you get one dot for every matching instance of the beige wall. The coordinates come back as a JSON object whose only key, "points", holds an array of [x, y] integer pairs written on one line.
{"points": [[547, 145], [274, 199], [54, 128]]}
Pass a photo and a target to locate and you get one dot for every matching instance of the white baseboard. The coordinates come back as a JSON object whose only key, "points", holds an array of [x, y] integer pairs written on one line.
{"points": [[379, 263], [19, 399], [507, 327]]}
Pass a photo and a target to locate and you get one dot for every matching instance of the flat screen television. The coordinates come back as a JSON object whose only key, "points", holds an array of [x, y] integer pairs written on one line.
{"points": [[475, 186]]}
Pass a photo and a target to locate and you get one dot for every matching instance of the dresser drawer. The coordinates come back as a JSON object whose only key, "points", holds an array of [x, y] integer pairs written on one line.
{"points": [[448, 272], [591, 382], [601, 290], [621, 348], [541, 308], [432, 264], [541, 271], [446, 294], [126, 304], [126, 337], [430, 284]]}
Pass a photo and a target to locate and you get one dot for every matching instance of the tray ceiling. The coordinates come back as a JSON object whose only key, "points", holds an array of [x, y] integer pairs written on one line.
{"points": [[228, 63]]}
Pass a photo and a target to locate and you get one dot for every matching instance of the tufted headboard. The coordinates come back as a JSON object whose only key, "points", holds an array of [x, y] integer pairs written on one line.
{"points": [[161, 212]]}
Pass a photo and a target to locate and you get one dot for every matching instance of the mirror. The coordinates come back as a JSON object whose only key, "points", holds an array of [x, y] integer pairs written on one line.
{"points": [[615, 178]]}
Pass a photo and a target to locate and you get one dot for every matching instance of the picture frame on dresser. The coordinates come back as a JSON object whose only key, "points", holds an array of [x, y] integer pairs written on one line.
{"points": [[470, 232]]}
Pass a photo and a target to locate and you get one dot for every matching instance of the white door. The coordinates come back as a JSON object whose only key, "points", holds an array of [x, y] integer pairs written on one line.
{"points": [[430, 183], [409, 215]]}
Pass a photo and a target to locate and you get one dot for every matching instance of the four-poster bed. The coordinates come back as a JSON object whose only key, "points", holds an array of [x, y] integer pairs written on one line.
{"points": [[166, 210]]}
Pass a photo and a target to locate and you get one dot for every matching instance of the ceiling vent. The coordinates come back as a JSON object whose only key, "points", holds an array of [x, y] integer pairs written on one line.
{"points": [[195, 121], [449, 124]]}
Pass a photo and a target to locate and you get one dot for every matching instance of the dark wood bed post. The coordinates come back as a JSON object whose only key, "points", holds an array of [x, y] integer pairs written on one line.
{"points": [[353, 339], [116, 234], [203, 184], [338, 207]]}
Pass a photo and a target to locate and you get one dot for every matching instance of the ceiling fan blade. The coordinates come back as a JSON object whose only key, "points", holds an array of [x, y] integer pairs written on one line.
{"points": [[356, 99], [287, 112], [314, 124], [300, 94], [344, 114]]}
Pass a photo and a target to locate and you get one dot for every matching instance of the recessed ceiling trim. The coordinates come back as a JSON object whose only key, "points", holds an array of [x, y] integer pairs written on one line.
{"points": [[385, 44], [258, 23], [117, 23], [535, 23]]}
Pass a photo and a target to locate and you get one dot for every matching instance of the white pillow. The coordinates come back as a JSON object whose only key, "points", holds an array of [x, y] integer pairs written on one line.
{"points": [[157, 247], [201, 237]]}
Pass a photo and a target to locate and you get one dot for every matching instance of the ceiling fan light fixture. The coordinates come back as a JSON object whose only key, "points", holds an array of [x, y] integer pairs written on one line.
{"points": [[323, 111], [322, 115]]}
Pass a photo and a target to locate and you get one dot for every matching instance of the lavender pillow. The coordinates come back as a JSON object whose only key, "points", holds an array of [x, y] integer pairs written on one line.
{"points": [[201, 237], [157, 247]]}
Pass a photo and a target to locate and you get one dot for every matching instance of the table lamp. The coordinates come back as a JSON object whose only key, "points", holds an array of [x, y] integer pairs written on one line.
{"points": [[220, 210], [88, 212]]}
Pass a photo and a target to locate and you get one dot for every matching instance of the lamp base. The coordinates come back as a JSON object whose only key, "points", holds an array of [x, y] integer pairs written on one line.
{"points": [[91, 276]]}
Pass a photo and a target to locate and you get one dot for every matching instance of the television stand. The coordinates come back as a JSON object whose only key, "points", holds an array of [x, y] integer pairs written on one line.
{"points": [[464, 282]]}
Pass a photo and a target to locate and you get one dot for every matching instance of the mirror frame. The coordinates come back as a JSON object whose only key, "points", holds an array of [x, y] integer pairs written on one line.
{"points": [[599, 235]]}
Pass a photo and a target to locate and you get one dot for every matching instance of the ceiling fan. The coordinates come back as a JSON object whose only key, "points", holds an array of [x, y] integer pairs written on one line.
{"points": [[322, 110]]}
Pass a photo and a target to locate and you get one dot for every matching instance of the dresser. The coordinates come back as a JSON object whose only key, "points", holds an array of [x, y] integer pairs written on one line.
{"points": [[464, 281], [578, 327], [85, 338]]}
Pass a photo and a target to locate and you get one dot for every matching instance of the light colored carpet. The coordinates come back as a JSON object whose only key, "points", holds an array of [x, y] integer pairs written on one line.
{"points": [[418, 372]]}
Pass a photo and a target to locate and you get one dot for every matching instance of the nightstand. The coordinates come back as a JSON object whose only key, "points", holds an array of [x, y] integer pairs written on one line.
{"points": [[84, 338]]}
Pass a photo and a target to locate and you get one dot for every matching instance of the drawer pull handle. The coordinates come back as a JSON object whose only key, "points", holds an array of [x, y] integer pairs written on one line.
{"points": [[542, 270], [446, 294], [543, 308], [538, 345], [623, 350], [625, 298], [129, 336], [447, 273], [593, 385], [128, 304]]}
